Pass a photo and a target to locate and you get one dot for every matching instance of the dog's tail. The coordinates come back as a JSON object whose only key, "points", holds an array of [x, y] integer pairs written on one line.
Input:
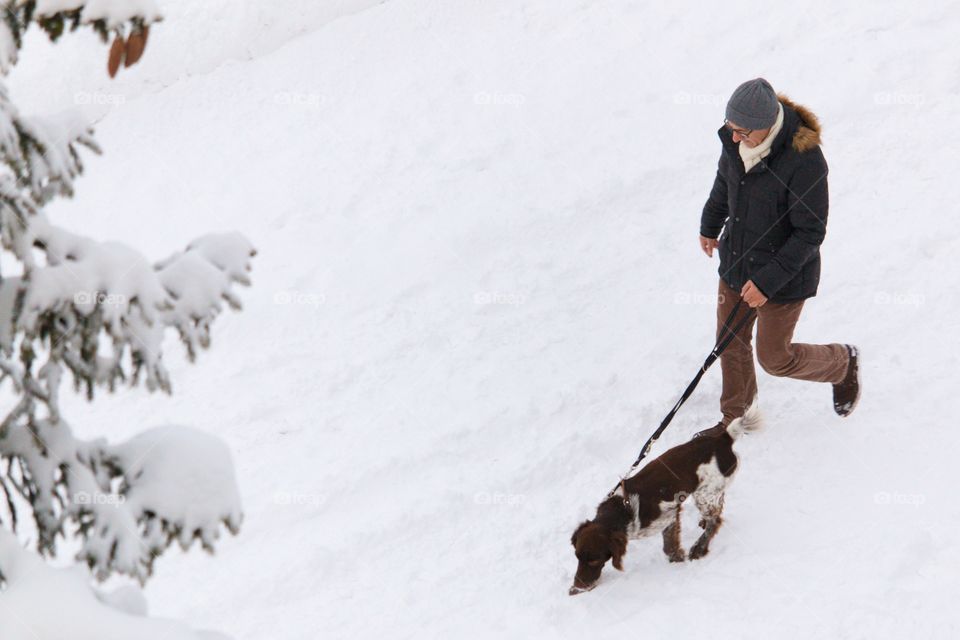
{"points": [[751, 421]]}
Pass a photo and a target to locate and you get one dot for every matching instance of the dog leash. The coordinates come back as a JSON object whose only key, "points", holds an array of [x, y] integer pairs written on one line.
{"points": [[723, 341]]}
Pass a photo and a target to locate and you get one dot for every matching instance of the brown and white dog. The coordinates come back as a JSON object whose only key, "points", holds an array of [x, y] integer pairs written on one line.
{"points": [[651, 501]]}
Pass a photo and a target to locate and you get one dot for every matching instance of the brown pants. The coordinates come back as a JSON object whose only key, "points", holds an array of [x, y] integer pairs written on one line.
{"points": [[776, 351]]}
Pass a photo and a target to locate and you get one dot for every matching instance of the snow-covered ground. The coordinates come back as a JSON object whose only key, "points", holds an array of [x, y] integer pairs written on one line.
{"points": [[478, 290]]}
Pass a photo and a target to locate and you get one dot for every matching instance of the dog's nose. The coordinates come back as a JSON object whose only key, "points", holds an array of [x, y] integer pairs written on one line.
{"points": [[574, 590]]}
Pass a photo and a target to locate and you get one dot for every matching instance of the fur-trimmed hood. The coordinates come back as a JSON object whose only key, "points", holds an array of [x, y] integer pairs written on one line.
{"points": [[807, 135], [801, 128]]}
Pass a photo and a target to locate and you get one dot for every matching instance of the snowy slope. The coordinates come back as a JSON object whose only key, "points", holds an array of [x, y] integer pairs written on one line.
{"points": [[478, 290]]}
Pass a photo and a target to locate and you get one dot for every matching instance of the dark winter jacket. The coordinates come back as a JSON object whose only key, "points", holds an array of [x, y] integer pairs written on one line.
{"points": [[773, 218]]}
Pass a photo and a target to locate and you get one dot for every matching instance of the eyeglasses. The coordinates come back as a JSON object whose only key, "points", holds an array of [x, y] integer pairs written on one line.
{"points": [[743, 133]]}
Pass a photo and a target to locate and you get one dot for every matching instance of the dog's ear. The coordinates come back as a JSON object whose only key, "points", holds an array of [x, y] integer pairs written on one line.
{"points": [[618, 547], [573, 538]]}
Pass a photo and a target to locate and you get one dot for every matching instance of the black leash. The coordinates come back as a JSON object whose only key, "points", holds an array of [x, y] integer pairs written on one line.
{"points": [[723, 341]]}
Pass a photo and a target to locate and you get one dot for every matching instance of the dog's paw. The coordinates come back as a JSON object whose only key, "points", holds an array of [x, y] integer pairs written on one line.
{"points": [[697, 551], [677, 556]]}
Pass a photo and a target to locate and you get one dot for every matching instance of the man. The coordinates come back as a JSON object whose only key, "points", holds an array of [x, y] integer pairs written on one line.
{"points": [[770, 201]]}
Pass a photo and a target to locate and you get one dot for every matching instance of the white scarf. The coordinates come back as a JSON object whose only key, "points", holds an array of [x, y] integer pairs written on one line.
{"points": [[752, 155]]}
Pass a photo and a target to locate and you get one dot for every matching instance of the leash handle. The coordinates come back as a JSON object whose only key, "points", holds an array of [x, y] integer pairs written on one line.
{"points": [[723, 341]]}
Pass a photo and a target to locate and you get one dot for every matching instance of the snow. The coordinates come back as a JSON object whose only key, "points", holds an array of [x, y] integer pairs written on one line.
{"points": [[43, 602], [478, 291]]}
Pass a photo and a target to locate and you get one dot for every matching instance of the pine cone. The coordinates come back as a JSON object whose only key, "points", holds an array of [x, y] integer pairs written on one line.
{"points": [[116, 56], [135, 46]]}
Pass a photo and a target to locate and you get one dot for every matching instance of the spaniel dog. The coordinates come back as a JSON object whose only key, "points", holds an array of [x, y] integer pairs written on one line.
{"points": [[651, 501]]}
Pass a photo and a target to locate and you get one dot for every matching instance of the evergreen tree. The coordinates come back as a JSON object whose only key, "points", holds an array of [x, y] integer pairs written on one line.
{"points": [[94, 314]]}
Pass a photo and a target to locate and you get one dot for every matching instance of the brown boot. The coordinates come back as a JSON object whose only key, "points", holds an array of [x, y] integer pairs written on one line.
{"points": [[846, 393], [716, 430]]}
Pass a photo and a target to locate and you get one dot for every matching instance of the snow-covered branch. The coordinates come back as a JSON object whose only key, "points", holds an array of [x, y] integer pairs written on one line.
{"points": [[92, 293], [40, 155], [99, 310], [127, 502], [127, 20]]}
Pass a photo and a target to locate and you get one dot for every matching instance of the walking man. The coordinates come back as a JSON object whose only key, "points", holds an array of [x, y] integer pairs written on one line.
{"points": [[770, 202]]}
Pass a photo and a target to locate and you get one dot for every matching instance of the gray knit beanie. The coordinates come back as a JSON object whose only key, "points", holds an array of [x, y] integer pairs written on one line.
{"points": [[753, 105]]}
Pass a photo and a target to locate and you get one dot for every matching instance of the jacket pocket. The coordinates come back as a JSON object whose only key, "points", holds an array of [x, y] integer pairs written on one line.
{"points": [[757, 260]]}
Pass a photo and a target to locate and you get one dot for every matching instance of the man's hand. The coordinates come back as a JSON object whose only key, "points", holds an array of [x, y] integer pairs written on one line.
{"points": [[752, 295], [708, 245]]}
